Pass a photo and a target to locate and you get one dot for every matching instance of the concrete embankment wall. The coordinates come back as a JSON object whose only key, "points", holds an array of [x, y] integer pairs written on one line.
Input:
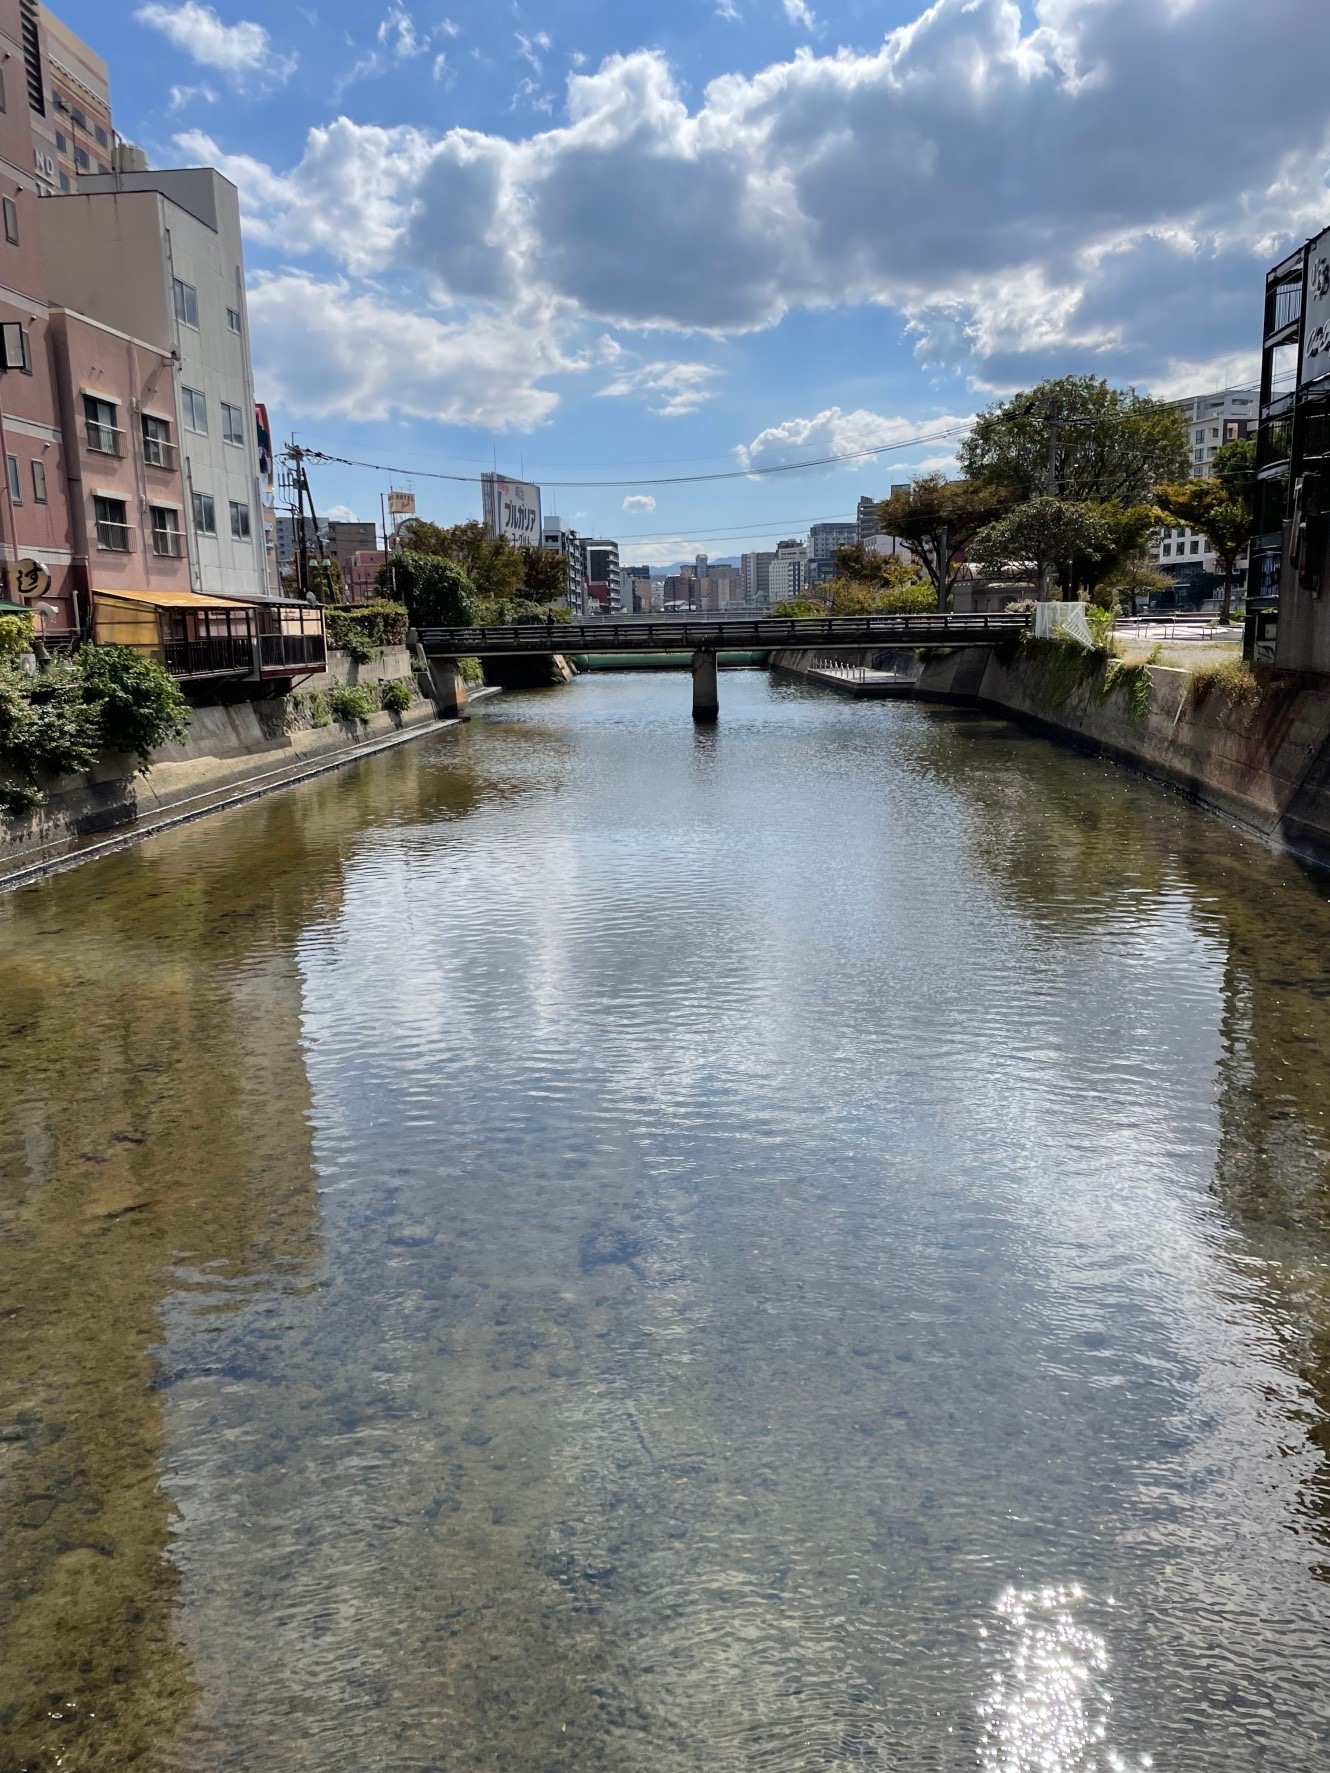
{"points": [[1265, 768], [227, 748]]}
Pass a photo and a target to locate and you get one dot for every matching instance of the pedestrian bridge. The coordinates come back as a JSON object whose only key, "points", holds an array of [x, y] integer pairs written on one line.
{"points": [[704, 639]]}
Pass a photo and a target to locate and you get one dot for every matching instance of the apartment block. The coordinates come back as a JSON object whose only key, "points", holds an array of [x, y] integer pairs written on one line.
{"points": [[345, 538], [78, 119], [556, 535], [157, 257], [604, 591], [823, 541], [1216, 419], [755, 579]]}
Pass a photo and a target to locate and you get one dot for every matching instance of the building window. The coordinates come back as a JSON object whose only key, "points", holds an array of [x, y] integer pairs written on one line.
{"points": [[233, 424], [205, 514], [64, 181], [104, 435], [103, 140], [11, 219], [3, 105], [1196, 547], [195, 410], [158, 449], [81, 159], [112, 527], [186, 303], [1199, 437], [239, 522], [39, 481], [61, 142], [233, 319], [77, 118], [14, 350], [32, 56], [58, 101], [104, 170], [167, 540], [15, 484], [1168, 548]]}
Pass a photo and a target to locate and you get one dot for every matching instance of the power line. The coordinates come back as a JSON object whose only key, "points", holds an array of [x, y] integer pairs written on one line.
{"points": [[855, 455]]}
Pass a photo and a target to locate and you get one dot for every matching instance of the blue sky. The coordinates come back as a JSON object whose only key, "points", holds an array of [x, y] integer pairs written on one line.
{"points": [[605, 241]]}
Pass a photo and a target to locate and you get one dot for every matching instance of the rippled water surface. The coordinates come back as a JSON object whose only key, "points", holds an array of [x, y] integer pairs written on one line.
{"points": [[588, 1244]]}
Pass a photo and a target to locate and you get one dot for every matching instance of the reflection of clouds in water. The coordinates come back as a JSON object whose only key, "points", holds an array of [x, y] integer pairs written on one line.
{"points": [[1047, 1710]]}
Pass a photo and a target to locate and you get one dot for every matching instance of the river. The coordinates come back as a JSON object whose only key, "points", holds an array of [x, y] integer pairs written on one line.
{"points": [[587, 1243]]}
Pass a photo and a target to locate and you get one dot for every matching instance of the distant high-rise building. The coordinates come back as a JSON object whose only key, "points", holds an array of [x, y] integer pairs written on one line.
{"points": [[556, 535], [604, 583], [867, 524], [787, 576], [823, 541], [345, 538], [754, 579]]}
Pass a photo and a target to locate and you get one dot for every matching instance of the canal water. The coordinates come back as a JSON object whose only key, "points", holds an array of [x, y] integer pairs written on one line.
{"points": [[589, 1244]]}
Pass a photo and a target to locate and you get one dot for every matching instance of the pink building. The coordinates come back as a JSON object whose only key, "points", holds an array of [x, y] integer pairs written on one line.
{"points": [[362, 579]]}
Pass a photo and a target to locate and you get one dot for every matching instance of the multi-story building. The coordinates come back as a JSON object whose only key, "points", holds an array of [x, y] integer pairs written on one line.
{"points": [[361, 578], [786, 578], [823, 541], [556, 535], [157, 256], [604, 593], [755, 579], [1214, 420], [867, 523], [79, 116], [345, 538]]}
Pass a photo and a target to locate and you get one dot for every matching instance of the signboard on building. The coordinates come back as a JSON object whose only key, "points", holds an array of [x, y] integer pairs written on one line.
{"points": [[401, 504], [512, 509], [1316, 311]]}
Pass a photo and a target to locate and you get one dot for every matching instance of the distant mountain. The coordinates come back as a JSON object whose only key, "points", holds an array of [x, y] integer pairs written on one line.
{"points": [[664, 572]]}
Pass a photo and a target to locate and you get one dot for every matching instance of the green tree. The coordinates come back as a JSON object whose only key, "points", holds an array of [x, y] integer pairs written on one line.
{"points": [[1077, 438], [435, 590], [139, 706], [1052, 535], [493, 566], [544, 575], [1223, 509], [937, 519]]}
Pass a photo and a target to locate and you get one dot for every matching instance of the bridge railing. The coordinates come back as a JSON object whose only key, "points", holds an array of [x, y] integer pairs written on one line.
{"points": [[765, 633]]}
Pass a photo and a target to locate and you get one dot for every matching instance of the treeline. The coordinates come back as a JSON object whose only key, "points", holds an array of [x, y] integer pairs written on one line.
{"points": [[460, 576]]}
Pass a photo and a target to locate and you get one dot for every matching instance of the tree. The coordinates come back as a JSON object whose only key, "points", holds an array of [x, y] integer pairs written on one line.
{"points": [[1223, 510], [1052, 535], [1131, 580], [1077, 438], [491, 563], [436, 592], [937, 519], [544, 575]]}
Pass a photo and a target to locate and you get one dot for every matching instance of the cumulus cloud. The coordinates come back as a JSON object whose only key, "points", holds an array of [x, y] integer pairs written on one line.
{"points": [[241, 50], [1016, 182], [670, 389], [837, 433], [324, 349], [636, 502], [799, 13], [340, 514]]}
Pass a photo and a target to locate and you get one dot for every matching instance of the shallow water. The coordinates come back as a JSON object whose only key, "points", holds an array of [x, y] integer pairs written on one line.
{"points": [[588, 1244]]}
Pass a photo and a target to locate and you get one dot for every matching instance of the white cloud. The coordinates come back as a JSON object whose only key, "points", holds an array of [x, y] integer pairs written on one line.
{"points": [[243, 49], [182, 96], [449, 28], [529, 48], [1240, 369], [670, 389], [837, 433], [322, 348], [397, 32], [798, 13], [340, 514], [727, 10], [636, 502]]}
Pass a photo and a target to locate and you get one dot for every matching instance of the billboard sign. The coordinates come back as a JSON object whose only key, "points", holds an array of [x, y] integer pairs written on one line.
{"points": [[1316, 311], [401, 504], [512, 509]]}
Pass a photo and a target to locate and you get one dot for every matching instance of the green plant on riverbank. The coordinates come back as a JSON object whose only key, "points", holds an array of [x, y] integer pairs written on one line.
{"points": [[1234, 682], [471, 671], [56, 722], [363, 629], [395, 697], [352, 702], [1061, 667]]}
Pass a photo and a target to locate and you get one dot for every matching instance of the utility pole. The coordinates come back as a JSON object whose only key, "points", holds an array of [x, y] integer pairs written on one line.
{"points": [[943, 566]]}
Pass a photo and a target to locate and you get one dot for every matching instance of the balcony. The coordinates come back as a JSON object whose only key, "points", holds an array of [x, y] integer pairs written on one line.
{"points": [[118, 537], [105, 440], [168, 544], [158, 453], [223, 656], [294, 652]]}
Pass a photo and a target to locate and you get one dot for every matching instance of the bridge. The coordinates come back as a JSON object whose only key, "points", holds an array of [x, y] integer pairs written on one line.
{"points": [[704, 639]]}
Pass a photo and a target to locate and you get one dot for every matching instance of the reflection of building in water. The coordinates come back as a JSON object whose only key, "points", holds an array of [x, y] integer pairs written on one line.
{"points": [[154, 1121]]}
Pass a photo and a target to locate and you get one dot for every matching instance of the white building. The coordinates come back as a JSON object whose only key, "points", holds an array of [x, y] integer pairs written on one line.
{"points": [[1213, 420], [158, 256], [823, 541], [787, 576], [556, 535]]}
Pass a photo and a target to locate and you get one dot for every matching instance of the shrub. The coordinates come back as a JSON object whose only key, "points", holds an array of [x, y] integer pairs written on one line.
{"points": [[319, 712], [351, 702], [45, 723], [15, 636], [909, 600], [471, 671], [360, 628], [139, 706], [396, 697], [1234, 681]]}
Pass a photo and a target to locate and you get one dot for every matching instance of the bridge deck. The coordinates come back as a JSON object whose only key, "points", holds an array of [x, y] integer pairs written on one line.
{"points": [[766, 634]]}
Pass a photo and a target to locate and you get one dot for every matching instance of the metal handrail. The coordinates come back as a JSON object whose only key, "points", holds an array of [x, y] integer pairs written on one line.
{"points": [[158, 453], [118, 537], [168, 544], [105, 440], [933, 629], [206, 658]]}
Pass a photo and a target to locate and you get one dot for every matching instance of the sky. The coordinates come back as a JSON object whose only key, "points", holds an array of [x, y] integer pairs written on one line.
{"points": [[586, 240]]}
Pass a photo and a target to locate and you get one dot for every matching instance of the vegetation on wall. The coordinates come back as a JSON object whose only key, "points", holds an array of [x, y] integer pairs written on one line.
{"points": [[106, 699], [361, 629], [1061, 667], [459, 576]]}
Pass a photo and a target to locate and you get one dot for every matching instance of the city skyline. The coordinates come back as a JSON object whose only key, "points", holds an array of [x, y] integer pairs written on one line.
{"points": [[442, 220]]}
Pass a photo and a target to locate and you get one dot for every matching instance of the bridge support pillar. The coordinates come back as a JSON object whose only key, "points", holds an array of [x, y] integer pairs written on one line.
{"points": [[706, 690], [448, 689]]}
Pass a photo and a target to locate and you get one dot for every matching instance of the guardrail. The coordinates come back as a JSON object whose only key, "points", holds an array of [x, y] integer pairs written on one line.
{"points": [[765, 634]]}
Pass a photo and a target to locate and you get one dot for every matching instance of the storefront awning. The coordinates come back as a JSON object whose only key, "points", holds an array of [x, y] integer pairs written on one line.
{"points": [[171, 599]]}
